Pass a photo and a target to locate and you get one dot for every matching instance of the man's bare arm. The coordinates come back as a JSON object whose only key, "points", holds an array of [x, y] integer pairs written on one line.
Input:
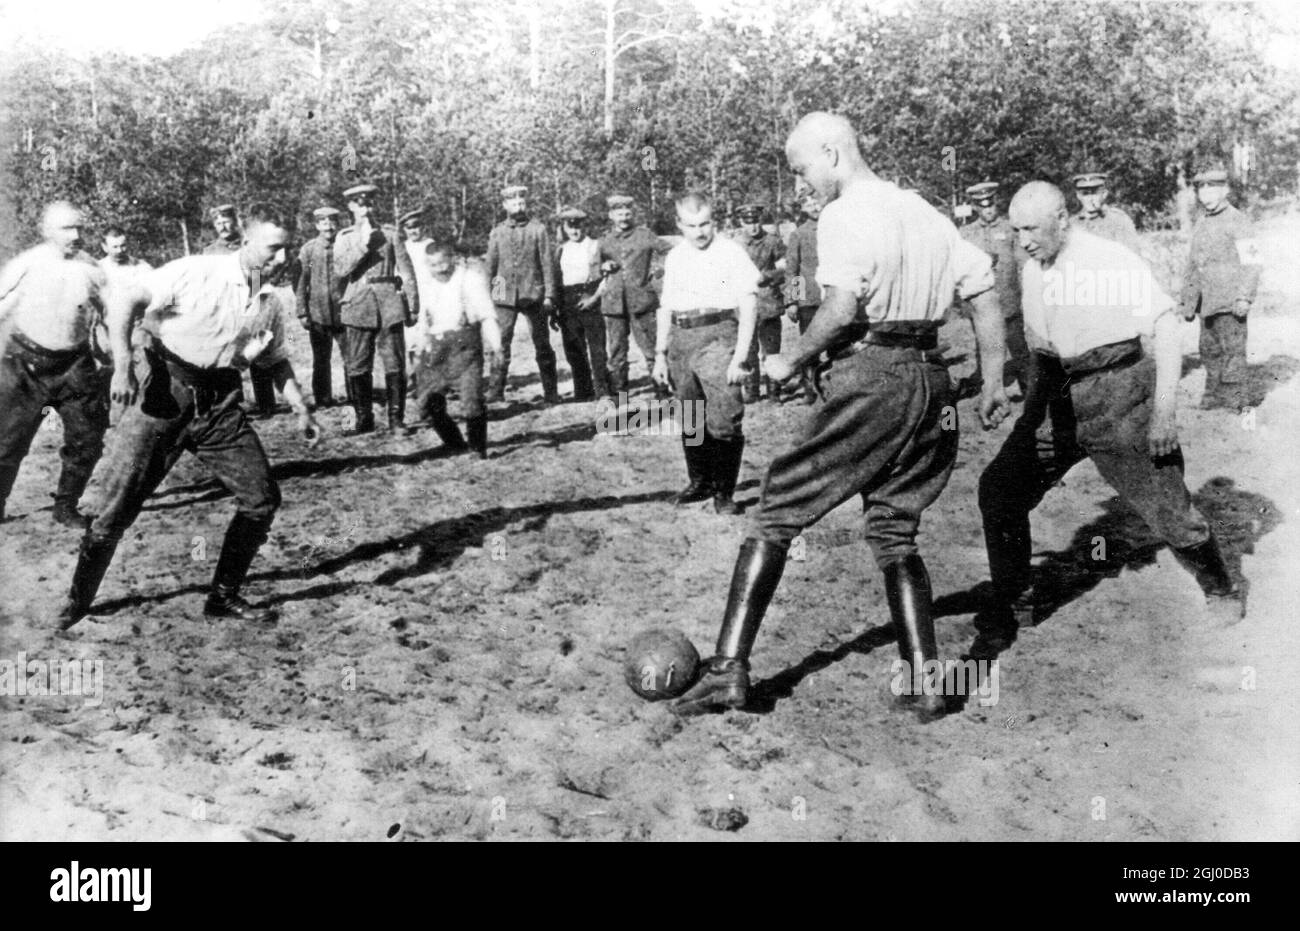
{"points": [[836, 314], [1163, 432]]}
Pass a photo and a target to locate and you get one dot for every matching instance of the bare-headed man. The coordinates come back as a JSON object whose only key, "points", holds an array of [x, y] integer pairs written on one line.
{"points": [[889, 266], [50, 301], [1093, 393], [205, 318], [706, 322]]}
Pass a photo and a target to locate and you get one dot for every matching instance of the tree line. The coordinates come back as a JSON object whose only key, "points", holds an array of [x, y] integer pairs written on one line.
{"points": [[443, 102]]}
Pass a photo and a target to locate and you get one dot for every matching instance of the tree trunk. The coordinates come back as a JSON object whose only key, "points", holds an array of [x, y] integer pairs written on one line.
{"points": [[534, 46], [185, 236], [609, 68]]}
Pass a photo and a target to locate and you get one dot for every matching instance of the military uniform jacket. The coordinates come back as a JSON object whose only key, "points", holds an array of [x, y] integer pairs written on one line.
{"points": [[223, 246], [765, 251], [801, 267], [368, 303], [1220, 268], [998, 239], [630, 291], [319, 295], [520, 263], [1113, 224]]}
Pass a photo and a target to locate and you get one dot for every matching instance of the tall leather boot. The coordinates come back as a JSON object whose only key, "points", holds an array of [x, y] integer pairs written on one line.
{"points": [[496, 387], [1205, 562], [752, 381], [477, 428], [698, 461], [727, 456], [724, 682], [361, 391], [550, 381], [92, 562], [73, 480], [395, 396], [435, 411], [263, 393], [244, 537], [907, 589]]}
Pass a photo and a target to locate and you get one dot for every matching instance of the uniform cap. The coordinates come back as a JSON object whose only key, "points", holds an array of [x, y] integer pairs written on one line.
{"points": [[410, 215], [750, 210], [619, 200], [576, 214], [513, 190], [357, 189], [982, 192], [324, 213], [224, 210], [1089, 180], [1211, 176]]}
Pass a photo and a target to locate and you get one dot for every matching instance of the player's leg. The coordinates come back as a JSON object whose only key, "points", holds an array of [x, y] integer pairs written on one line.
{"points": [[467, 368], [724, 412], [226, 443], [689, 392], [1041, 448], [22, 400], [846, 446], [617, 331], [81, 398], [143, 449]]}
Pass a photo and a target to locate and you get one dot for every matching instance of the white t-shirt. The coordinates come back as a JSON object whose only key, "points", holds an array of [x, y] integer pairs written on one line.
{"points": [[462, 300], [718, 276], [579, 261], [903, 259], [1096, 292]]}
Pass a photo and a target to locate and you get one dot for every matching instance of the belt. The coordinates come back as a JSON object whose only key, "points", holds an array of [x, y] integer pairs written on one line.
{"points": [[923, 339], [384, 279], [458, 333], [1108, 358], [189, 372], [689, 320], [30, 346]]}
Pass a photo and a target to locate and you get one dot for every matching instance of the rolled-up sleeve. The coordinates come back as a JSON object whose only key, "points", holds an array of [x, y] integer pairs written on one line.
{"points": [[972, 269]]}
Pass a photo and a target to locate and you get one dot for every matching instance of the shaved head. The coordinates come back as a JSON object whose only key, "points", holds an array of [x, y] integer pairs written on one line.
{"points": [[61, 226], [1039, 217], [823, 151]]}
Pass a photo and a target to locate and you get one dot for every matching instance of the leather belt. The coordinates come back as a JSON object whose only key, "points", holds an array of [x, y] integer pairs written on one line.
{"points": [[1108, 358], [924, 340], [30, 346], [385, 279], [689, 320]]}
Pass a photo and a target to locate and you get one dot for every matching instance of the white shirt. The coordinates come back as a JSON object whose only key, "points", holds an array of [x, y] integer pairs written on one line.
{"points": [[203, 311], [579, 261], [718, 276], [53, 300], [1096, 292], [134, 271], [462, 300], [903, 259], [423, 277]]}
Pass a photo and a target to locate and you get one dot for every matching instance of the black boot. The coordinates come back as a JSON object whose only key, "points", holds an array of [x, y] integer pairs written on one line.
{"points": [[550, 381], [73, 479], [907, 588], [1205, 562], [395, 395], [496, 386], [361, 391], [435, 411], [724, 682], [263, 393], [92, 562], [244, 537], [727, 455], [698, 471], [476, 427], [749, 393]]}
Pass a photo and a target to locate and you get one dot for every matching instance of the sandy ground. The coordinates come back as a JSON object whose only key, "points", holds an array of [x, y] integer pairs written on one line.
{"points": [[448, 662]]}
